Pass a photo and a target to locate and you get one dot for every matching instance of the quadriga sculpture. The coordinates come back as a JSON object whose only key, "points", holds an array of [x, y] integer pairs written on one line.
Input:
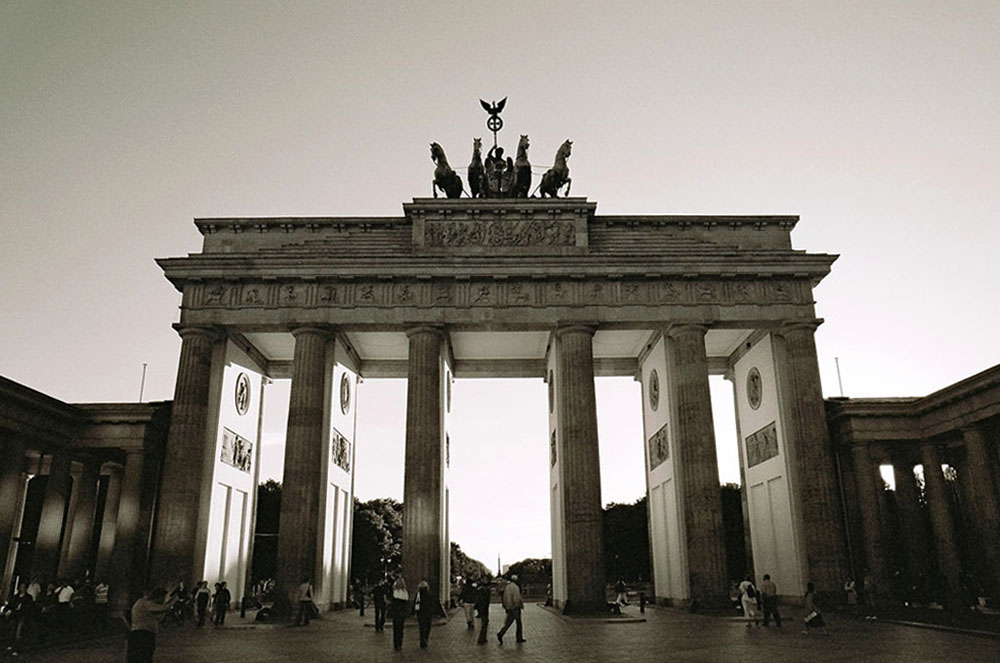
{"points": [[445, 177], [558, 175]]}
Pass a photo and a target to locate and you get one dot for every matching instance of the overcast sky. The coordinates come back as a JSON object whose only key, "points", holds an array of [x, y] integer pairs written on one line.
{"points": [[120, 122]]}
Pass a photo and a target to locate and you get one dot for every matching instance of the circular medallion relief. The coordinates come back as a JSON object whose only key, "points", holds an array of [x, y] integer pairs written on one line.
{"points": [[345, 393], [242, 393], [654, 390], [753, 388]]}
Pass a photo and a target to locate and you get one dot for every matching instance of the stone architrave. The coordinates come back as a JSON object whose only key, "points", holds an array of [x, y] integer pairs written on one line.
{"points": [[305, 459], [57, 492], [581, 470], [942, 528], [77, 550], [424, 528], [911, 519], [869, 501], [11, 488], [985, 504], [181, 489], [696, 465], [807, 440], [125, 578]]}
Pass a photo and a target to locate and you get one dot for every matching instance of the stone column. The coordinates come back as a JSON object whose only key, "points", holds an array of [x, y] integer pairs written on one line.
{"points": [[807, 439], [696, 467], [50, 527], [581, 470], [423, 482], [301, 483], [869, 485], [985, 504], [11, 488], [126, 579], [911, 519], [109, 523], [942, 529], [77, 550], [181, 482]]}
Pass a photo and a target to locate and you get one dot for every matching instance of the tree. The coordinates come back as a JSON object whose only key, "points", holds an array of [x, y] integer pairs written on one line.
{"points": [[376, 546], [265, 545], [626, 542], [463, 566]]}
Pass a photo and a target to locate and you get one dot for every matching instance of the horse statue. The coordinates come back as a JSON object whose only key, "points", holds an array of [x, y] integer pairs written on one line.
{"points": [[444, 177], [476, 169], [522, 170], [558, 174]]}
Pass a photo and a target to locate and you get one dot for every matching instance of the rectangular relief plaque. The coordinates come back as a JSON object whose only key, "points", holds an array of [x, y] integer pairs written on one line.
{"points": [[659, 448], [340, 450], [762, 445], [237, 451]]}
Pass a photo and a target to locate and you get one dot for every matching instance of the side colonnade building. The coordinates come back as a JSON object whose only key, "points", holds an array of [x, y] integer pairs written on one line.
{"points": [[536, 288]]}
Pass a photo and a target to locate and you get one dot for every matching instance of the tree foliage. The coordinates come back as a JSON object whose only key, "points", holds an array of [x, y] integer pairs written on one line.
{"points": [[626, 542], [376, 546], [463, 566]]}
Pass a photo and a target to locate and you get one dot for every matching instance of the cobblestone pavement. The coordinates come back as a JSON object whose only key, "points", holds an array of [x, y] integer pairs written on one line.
{"points": [[666, 635]]}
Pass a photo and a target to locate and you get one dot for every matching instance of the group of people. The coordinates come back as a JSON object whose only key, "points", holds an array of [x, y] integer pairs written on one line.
{"points": [[396, 601], [37, 609], [765, 600], [145, 614]]}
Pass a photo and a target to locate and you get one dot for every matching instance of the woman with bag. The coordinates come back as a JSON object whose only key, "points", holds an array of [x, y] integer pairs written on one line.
{"points": [[424, 607], [400, 604], [748, 599]]}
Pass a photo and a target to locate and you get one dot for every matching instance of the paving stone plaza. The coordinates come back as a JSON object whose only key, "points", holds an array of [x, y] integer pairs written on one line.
{"points": [[667, 634]]}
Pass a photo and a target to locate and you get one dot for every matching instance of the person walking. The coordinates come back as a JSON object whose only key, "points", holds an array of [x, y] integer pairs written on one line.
{"points": [[769, 601], [305, 598], [400, 605], [851, 590], [145, 624], [16, 611], [378, 600], [748, 599], [423, 605], [513, 604], [202, 595], [359, 597], [620, 588], [813, 617], [483, 596], [222, 600], [468, 597]]}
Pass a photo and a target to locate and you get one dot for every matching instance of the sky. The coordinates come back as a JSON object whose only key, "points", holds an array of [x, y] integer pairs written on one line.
{"points": [[120, 122]]}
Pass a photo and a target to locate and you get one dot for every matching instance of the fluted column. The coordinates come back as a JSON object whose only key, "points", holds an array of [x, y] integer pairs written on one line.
{"points": [[77, 549], [109, 523], [57, 491], [807, 438], [125, 577], [985, 504], [11, 488], [869, 485], [581, 470], [696, 466], [301, 483], [423, 481], [942, 528], [911, 519], [183, 463]]}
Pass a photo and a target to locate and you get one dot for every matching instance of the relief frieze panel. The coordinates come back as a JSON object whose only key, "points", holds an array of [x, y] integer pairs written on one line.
{"points": [[762, 445], [493, 293], [659, 448], [500, 233]]}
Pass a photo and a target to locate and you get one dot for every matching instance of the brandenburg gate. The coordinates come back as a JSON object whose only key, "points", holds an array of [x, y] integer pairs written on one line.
{"points": [[500, 287]]}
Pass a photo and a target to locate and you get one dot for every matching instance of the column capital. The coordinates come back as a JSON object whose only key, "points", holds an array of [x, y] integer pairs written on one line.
{"points": [[575, 328], [789, 326], [326, 332], [685, 328], [425, 329], [212, 333]]}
